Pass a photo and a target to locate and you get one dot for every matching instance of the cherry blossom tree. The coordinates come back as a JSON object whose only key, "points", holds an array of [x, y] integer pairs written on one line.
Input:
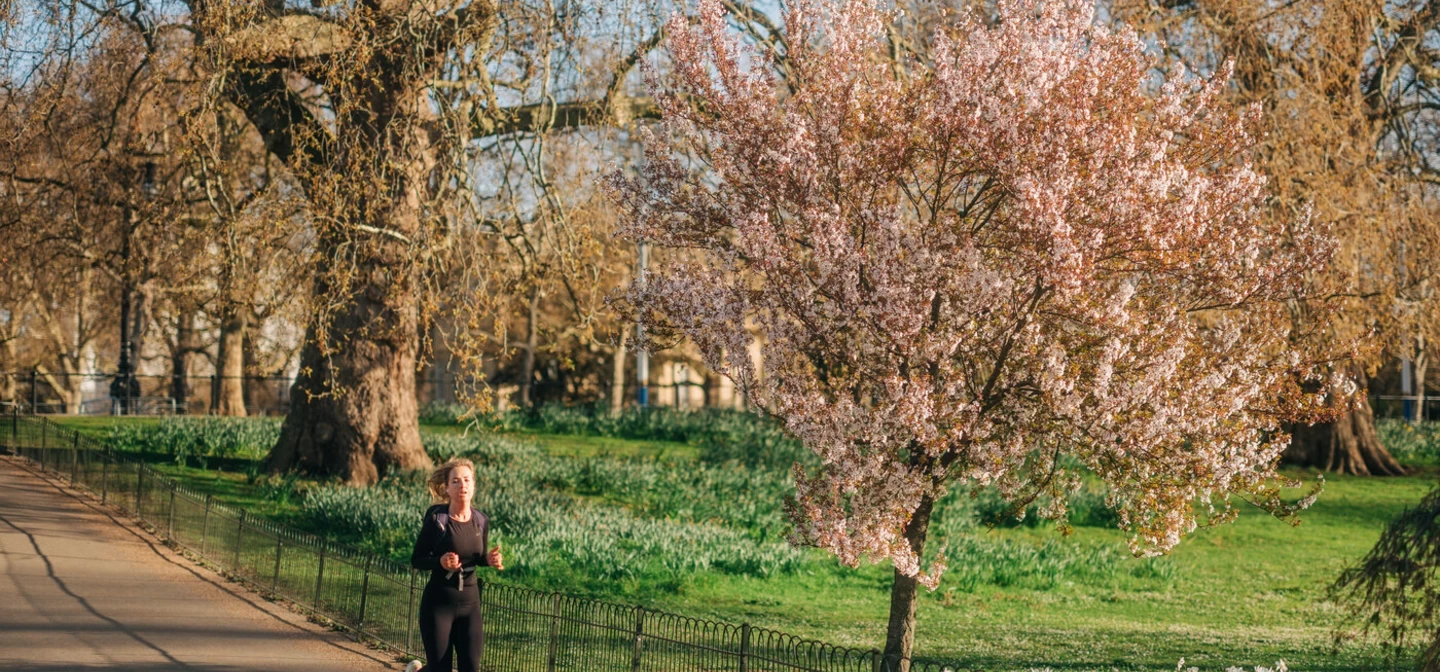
{"points": [[1004, 262]]}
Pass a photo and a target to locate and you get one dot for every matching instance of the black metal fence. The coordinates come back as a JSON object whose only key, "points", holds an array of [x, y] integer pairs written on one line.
{"points": [[101, 394], [525, 630]]}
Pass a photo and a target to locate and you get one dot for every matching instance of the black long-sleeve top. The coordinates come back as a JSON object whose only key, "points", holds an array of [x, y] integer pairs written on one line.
{"points": [[441, 534]]}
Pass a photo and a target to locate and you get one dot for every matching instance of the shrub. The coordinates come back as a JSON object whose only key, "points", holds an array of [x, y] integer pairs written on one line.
{"points": [[617, 525], [1413, 444], [198, 438], [1087, 508], [542, 510], [608, 525], [722, 435], [443, 413]]}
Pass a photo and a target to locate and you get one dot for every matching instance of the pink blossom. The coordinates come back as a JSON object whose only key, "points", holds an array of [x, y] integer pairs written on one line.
{"points": [[962, 274]]}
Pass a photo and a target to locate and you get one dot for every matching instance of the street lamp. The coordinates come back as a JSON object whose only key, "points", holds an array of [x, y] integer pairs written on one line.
{"points": [[642, 357], [126, 387]]}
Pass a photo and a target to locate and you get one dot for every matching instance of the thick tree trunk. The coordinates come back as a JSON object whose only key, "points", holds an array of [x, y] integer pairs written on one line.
{"points": [[1349, 445], [249, 359], [75, 396], [182, 358], [229, 393], [617, 376], [353, 410], [9, 391], [900, 634]]}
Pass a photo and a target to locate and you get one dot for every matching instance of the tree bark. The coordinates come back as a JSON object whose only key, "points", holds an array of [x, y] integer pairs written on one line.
{"points": [[1349, 445], [9, 391], [617, 376], [1421, 363], [75, 396], [250, 358], [229, 394], [140, 323], [182, 357], [900, 634], [353, 410], [532, 341]]}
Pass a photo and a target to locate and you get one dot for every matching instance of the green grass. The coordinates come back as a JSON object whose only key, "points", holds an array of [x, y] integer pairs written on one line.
{"points": [[1249, 593], [567, 445], [98, 426]]}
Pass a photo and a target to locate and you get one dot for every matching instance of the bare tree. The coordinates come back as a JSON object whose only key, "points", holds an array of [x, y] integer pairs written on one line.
{"points": [[94, 197], [1350, 97]]}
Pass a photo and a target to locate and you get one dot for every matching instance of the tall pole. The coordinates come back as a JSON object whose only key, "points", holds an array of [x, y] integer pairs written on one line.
{"points": [[1407, 391], [125, 387], [120, 387], [642, 357]]}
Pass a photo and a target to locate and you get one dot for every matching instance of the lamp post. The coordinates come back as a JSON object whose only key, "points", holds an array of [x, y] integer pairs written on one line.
{"points": [[642, 357], [125, 388]]}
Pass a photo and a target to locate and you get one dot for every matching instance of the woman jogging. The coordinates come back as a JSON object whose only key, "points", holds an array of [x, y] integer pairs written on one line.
{"points": [[452, 542]]}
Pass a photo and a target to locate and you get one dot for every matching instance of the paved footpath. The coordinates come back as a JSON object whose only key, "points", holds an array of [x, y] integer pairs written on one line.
{"points": [[84, 589]]}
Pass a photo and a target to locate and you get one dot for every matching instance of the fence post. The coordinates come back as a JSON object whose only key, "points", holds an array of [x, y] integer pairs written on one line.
{"points": [[744, 647], [15, 430], [44, 429], [170, 523], [879, 659], [139, 493], [410, 614], [554, 634], [75, 458], [639, 638], [239, 539], [364, 593], [205, 525], [279, 548], [319, 579], [104, 475]]}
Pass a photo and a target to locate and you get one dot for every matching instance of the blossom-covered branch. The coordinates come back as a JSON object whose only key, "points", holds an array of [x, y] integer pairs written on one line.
{"points": [[963, 273]]}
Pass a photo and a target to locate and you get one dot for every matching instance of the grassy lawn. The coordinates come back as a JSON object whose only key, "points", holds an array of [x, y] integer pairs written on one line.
{"points": [[1249, 593], [585, 446], [96, 426]]}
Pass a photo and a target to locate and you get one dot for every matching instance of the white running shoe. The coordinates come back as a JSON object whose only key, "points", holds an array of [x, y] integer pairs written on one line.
{"points": [[413, 666]]}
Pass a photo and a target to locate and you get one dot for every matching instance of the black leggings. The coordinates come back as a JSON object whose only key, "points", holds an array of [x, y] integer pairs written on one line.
{"points": [[451, 618]]}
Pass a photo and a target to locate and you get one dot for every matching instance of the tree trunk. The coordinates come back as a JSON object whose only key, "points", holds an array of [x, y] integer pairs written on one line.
{"points": [[75, 395], [532, 341], [900, 635], [8, 389], [617, 376], [249, 359], [1421, 362], [353, 411], [229, 394], [181, 358], [1349, 445], [140, 323]]}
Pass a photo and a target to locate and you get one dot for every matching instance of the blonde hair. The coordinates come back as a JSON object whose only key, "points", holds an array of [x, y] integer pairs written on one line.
{"points": [[440, 477]]}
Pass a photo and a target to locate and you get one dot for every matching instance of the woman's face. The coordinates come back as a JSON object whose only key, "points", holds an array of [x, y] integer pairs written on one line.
{"points": [[461, 484]]}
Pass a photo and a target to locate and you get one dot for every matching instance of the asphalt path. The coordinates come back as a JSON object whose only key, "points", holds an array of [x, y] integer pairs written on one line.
{"points": [[83, 588]]}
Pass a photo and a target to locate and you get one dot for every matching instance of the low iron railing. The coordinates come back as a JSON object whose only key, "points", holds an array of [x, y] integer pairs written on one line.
{"points": [[525, 629]]}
